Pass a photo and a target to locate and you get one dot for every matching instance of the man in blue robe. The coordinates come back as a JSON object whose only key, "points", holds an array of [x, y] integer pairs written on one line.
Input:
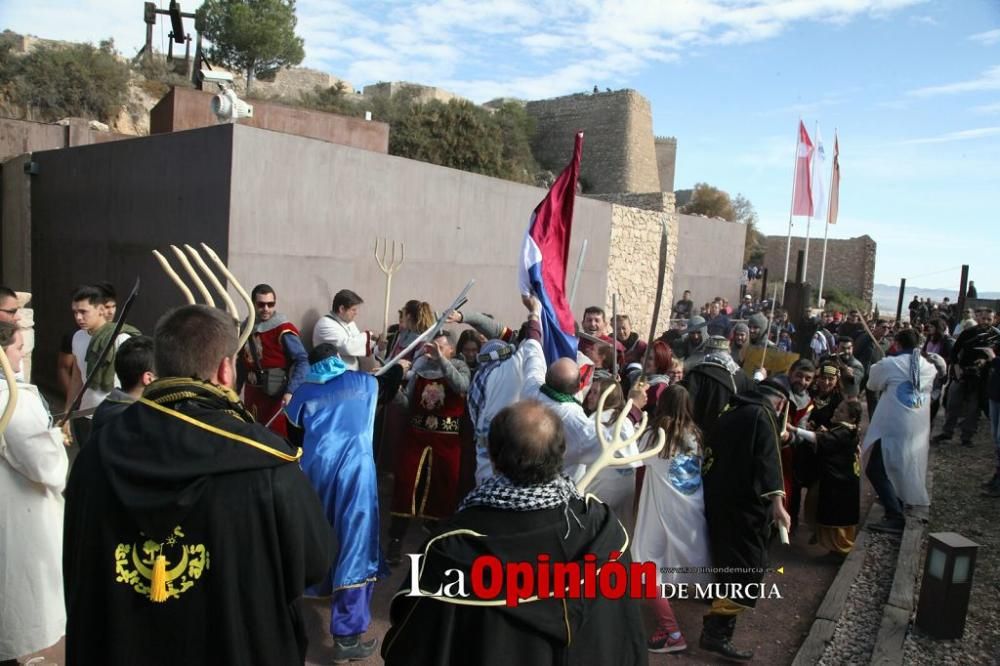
{"points": [[334, 413]]}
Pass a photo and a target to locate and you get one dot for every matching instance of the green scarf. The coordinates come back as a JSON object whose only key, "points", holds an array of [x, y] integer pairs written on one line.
{"points": [[558, 396], [104, 376]]}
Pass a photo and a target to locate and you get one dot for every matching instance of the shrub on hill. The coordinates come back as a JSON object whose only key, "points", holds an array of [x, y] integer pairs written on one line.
{"points": [[54, 82]]}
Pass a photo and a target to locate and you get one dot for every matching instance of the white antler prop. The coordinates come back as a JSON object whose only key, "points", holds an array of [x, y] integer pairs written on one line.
{"points": [[216, 283], [199, 285], [230, 306], [609, 449], [388, 267], [8, 410], [172, 274], [251, 312]]}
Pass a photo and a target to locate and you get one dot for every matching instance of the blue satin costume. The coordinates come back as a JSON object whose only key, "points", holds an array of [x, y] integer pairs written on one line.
{"points": [[336, 409]]}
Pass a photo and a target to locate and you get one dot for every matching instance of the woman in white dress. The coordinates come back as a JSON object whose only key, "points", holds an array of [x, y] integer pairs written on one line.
{"points": [[33, 466], [671, 529]]}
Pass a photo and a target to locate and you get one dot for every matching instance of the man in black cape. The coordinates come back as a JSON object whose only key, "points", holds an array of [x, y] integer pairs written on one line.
{"points": [[190, 529], [743, 496], [527, 510], [713, 382]]}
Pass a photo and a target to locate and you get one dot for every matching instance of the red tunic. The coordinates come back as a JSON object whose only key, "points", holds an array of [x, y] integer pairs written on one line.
{"points": [[796, 417], [429, 458], [272, 355]]}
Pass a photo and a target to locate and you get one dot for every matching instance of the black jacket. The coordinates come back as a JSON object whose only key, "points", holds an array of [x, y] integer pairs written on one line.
{"points": [[191, 478]]}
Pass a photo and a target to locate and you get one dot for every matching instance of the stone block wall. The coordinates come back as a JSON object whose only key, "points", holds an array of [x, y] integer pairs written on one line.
{"points": [[618, 150], [634, 256], [420, 93], [290, 83], [666, 161], [850, 263]]}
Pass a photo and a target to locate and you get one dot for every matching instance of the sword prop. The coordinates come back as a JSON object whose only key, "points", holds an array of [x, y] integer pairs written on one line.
{"points": [[75, 405], [430, 332], [767, 333], [614, 335], [658, 302]]}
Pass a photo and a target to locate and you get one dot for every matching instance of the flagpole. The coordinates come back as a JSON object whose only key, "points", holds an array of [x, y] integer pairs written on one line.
{"points": [[826, 233], [791, 210], [805, 258]]}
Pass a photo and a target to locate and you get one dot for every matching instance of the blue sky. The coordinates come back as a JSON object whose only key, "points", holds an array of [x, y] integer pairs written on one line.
{"points": [[913, 86]]}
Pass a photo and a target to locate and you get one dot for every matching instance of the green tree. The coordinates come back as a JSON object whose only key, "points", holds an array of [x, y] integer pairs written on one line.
{"points": [[746, 214], [256, 37], [81, 80], [711, 202]]}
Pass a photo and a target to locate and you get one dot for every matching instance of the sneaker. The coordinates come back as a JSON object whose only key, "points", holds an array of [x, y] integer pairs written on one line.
{"points": [[888, 526], [667, 644], [394, 553], [941, 439], [352, 648]]}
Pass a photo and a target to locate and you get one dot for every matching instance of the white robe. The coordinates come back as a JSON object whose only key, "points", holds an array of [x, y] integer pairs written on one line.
{"points": [[671, 529], [904, 431], [33, 466], [615, 486]]}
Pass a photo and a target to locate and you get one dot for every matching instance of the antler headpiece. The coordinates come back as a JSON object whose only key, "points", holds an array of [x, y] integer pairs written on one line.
{"points": [[216, 283], [610, 448]]}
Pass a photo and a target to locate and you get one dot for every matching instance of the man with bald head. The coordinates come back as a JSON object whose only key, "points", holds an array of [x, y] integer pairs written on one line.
{"points": [[555, 387], [528, 510]]}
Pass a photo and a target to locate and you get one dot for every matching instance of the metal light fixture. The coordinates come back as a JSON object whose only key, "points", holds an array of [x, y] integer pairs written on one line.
{"points": [[947, 584]]}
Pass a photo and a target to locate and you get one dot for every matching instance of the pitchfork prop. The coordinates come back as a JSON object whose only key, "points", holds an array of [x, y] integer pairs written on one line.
{"points": [[610, 448], [389, 264], [216, 283]]}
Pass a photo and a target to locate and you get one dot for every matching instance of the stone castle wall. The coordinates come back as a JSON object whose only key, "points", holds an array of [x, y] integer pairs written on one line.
{"points": [[290, 83], [850, 263], [666, 161], [618, 150], [634, 256], [420, 94]]}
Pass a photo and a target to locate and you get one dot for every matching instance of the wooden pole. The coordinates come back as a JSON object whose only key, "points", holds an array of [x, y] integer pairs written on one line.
{"points": [[962, 290], [899, 303]]}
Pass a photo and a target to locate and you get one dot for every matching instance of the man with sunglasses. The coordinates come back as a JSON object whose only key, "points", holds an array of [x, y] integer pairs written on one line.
{"points": [[272, 363]]}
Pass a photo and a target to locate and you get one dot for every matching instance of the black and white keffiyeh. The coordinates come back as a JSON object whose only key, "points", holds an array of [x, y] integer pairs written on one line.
{"points": [[499, 492]]}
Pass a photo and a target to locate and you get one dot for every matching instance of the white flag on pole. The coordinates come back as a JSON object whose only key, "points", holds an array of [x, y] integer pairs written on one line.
{"points": [[818, 167]]}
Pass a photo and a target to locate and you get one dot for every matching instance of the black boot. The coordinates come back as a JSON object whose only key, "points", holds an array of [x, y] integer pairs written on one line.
{"points": [[352, 648], [716, 632]]}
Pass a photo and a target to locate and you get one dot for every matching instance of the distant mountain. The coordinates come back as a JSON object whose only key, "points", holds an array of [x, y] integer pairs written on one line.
{"points": [[886, 296]]}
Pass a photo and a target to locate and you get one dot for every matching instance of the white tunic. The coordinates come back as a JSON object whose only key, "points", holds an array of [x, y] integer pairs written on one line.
{"points": [[33, 466], [615, 486], [904, 430], [350, 341], [671, 529]]}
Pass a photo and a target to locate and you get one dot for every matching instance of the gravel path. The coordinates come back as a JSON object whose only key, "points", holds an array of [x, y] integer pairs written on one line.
{"points": [[856, 630], [959, 506]]}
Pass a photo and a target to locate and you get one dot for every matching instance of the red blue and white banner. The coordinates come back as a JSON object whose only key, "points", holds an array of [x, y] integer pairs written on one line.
{"points": [[545, 256]]}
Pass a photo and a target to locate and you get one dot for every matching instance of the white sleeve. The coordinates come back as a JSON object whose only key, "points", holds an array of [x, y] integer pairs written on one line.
{"points": [[323, 332], [531, 358], [33, 447], [354, 342]]}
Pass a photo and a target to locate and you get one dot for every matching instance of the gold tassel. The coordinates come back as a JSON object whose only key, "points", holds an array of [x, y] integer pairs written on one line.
{"points": [[158, 582]]}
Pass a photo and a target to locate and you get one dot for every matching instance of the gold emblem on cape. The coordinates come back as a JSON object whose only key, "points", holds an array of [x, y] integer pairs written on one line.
{"points": [[161, 571]]}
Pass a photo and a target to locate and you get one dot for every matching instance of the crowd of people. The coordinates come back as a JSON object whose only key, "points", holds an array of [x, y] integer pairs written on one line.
{"points": [[212, 486]]}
